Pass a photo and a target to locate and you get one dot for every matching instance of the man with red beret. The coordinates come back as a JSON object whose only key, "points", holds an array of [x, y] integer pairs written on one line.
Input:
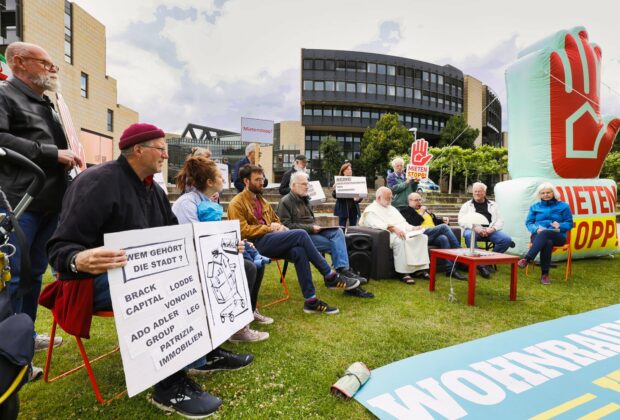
{"points": [[117, 196]]}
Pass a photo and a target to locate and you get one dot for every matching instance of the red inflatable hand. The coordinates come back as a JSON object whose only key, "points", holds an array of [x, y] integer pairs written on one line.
{"points": [[580, 137], [419, 153]]}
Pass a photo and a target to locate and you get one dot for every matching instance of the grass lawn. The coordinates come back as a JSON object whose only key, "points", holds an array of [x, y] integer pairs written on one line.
{"points": [[293, 370]]}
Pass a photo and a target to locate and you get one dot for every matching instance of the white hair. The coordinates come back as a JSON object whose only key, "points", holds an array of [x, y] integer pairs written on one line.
{"points": [[479, 184], [380, 191], [250, 148], [547, 186], [397, 160], [298, 176]]}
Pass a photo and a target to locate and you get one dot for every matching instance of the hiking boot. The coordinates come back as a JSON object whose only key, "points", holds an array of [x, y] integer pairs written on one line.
{"points": [[220, 359], [522, 263], [544, 279], [248, 335], [34, 373], [353, 275], [341, 281], [262, 319], [320, 307], [41, 342], [186, 398]]}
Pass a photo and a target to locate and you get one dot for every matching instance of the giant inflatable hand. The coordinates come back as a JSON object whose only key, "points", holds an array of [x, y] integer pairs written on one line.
{"points": [[557, 134]]}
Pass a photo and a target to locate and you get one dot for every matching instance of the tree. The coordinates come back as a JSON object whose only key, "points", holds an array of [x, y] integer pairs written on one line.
{"points": [[457, 128], [380, 144], [611, 167], [333, 157], [447, 158]]}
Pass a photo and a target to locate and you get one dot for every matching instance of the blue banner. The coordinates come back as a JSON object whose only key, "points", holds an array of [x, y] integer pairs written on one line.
{"points": [[566, 368]]}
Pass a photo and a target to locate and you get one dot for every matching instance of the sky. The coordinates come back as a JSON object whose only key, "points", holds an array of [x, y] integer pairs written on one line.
{"points": [[210, 62]]}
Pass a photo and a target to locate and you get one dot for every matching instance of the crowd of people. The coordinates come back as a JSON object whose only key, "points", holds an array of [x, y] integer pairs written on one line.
{"points": [[66, 223]]}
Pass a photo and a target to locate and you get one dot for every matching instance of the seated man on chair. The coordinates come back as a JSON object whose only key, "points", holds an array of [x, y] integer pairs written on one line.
{"points": [[295, 212], [408, 243], [261, 225], [438, 232], [116, 196], [493, 232]]}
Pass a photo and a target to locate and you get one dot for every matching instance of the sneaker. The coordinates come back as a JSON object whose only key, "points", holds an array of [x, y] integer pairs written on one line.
{"points": [[41, 342], [320, 307], [34, 373], [341, 281], [186, 398], [220, 359], [262, 319], [522, 263], [359, 292], [347, 272], [248, 335], [544, 279]]}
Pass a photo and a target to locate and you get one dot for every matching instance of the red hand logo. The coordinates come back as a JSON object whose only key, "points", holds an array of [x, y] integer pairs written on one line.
{"points": [[419, 153], [580, 137]]}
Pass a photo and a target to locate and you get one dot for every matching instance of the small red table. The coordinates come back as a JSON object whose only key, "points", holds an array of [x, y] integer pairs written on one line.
{"points": [[488, 258]]}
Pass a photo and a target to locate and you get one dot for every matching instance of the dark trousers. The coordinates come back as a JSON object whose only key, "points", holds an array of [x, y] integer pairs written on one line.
{"points": [[543, 242], [442, 236], [255, 279], [295, 245]]}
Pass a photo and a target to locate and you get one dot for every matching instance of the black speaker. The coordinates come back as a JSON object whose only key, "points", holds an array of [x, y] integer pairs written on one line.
{"points": [[359, 247]]}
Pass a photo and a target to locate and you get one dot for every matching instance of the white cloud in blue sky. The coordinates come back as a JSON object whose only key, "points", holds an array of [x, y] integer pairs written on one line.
{"points": [[211, 62]]}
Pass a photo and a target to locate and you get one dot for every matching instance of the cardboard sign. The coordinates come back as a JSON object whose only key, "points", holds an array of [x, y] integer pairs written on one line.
{"points": [[160, 314], [316, 193], [420, 158], [351, 187], [222, 275], [417, 172], [254, 130]]}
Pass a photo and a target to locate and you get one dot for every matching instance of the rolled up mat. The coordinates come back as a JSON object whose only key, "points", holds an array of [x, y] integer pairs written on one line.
{"points": [[354, 377]]}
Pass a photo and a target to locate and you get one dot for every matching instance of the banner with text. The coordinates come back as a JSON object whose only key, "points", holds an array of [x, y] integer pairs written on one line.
{"points": [[351, 187], [254, 130]]}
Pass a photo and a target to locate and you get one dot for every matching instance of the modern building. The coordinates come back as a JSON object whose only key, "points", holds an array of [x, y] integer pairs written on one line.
{"points": [[77, 44], [483, 111]]}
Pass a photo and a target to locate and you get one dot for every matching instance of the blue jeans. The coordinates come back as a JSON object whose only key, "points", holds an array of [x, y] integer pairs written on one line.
{"points": [[295, 245], [500, 240], [332, 241], [442, 236], [38, 228], [543, 242]]}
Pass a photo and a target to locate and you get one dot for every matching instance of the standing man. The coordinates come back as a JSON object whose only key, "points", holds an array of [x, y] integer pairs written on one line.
{"points": [[492, 232], [250, 158], [438, 232], [30, 126], [298, 166], [400, 185], [112, 197]]}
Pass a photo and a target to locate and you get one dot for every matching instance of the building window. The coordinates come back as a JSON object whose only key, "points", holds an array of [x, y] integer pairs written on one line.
{"points": [[381, 68], [340, 65], [308, 84], [318, 112], [308, 64], [318, 64], [400, 71], [307, 111], [381, 89], [110, 120], [329, 85], [408, 72], [425, 76], [361, 67], [400, 91], [374, 115], [337, 112], [372, 89], [361, 87], [391, 90], [439, 79], [366, 114], [351, 87], [408, 93], [84, 85], [372, 68], [346, 113], [391, 71], [327, 112], [417, 94], [330, 65], [319, 86], [357, 113], [340, 86], [433, 78], [68, 32]]}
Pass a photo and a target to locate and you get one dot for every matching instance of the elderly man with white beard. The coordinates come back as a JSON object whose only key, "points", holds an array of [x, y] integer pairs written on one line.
{"points": [[408, 243]]}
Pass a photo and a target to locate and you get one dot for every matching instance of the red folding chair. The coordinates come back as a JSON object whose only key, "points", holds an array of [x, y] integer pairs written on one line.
{"points": [[282, 272], [87, 362]]}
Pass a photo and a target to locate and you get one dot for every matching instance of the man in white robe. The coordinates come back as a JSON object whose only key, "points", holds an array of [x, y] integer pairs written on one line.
{"points": [[408, 243]]}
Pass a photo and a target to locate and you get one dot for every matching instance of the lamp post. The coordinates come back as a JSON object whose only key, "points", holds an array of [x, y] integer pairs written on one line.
{"points": [[414, 130]]}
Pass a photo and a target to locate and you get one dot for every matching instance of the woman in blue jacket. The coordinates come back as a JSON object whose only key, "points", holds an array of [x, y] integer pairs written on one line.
{"points": [[548, 221]]}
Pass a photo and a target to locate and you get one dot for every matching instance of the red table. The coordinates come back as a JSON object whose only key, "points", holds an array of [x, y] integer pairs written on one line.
{"points": [[488, 258]]}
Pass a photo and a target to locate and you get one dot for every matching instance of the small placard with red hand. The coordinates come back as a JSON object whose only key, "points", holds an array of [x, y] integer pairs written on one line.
{"points": [[418, 168]]}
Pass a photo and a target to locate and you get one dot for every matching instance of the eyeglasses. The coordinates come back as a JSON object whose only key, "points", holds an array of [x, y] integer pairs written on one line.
{"points": [[46, 64], [162, 150]]}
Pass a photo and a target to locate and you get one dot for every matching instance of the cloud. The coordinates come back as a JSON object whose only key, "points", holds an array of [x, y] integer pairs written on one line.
{"points": [[389, 36]]}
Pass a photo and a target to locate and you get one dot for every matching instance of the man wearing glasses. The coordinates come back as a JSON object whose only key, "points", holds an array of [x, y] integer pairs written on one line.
{"points": [[30, 126]]}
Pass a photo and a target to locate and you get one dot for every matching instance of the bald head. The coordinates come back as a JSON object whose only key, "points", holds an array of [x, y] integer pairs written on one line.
{"points": [[383, 196], [414, 200], [33, 65]]}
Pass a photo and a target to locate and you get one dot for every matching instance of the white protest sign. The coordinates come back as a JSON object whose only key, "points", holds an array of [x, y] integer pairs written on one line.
{"points": [[224, 169], [315, 192], [351, 187], [223, 278], [158, 305], [159, 178], [254, 130]]}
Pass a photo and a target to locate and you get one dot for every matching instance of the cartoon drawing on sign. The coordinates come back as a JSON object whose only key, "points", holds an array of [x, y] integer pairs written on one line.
{"points": [[221, 277]]}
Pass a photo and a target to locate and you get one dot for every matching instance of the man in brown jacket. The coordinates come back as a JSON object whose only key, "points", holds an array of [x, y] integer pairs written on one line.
{"points": [[261, 225]]}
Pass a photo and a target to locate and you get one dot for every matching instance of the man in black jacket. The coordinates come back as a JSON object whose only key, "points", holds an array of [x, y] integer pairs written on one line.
{"points": [[299, 165], [30, 126], [438, 232]]}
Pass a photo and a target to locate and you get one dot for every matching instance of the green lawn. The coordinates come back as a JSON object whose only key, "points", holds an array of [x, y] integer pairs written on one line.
{"points": [[293, 370]]}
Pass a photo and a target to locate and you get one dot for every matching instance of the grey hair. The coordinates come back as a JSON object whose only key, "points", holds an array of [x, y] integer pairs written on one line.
{"points": [[479, 184], [380, 191], [547, 186], [298, 176], [395, 161], [250, 148]]}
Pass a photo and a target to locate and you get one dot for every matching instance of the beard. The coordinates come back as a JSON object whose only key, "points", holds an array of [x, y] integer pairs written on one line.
{"points": [[255, 190], [49, 83]]}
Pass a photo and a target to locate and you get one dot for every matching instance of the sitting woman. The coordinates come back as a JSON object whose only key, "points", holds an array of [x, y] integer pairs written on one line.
{"points": [[548, 220], [201, 178], [347, 209]]}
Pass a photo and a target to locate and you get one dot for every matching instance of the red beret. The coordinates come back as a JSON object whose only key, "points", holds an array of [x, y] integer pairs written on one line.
{"points": [[138, 133]]}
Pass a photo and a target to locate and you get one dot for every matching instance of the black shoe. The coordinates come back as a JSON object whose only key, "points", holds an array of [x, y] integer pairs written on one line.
{"points": [[484, 272], [319, 307], [359, 292], [186, 398], [342, 281], [220, 359], [456, 274], [351, 274]]}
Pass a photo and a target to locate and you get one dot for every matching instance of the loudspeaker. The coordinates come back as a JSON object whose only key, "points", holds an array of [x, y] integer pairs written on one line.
{"points": [[359, 247]]}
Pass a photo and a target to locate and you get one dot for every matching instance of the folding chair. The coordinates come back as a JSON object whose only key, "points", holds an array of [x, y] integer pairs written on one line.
{"points": [[564, 248], [282, 272], [87, 363]]}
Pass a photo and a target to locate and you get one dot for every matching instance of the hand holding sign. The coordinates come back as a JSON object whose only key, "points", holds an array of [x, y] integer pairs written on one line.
{"points": [[419, 153]]}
